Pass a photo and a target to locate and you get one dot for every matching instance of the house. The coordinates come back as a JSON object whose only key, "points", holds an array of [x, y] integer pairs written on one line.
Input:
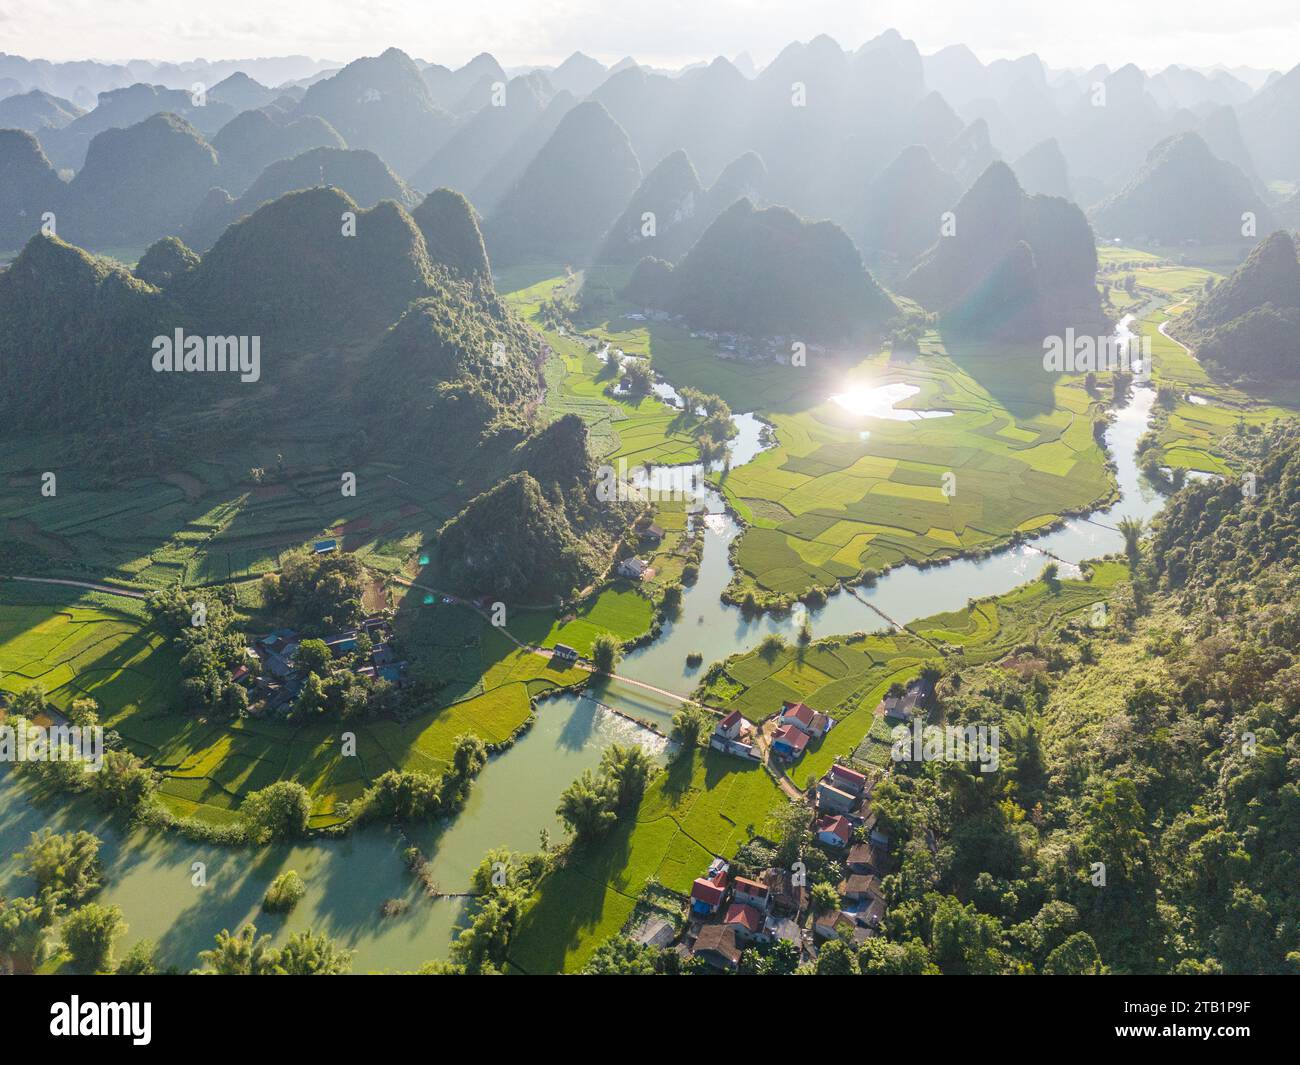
{"points": [[746, 920], [834, 922], [776, 928], [902, 707], [708, 890], [868, 858], [832, 800], [750, 892], [341, 644], [873, 913], [789, 742], [633, 568], [240, 674], [564, 651], [846, 779], [833, 830], [806, 718], [650, 531], [786, 893], [717, 945], [730, 727], [857, 887], [655, 932], [324, 547], [876, 835]]}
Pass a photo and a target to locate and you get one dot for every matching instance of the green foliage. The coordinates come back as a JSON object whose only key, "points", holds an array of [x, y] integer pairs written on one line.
{"points": [[278, 811], [65, 866], [89, 933], [285, 892], [321, 592], [605, 653]]}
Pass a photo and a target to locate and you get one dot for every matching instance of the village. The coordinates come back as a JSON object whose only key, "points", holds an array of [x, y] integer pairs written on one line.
{"points": [[728, 912], [275, 672]]}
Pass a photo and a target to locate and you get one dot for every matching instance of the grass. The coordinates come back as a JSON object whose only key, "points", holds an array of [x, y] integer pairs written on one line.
{"points": [[1190, 435], [842, 495], [76, 644], [847, 680], [703, 804]]}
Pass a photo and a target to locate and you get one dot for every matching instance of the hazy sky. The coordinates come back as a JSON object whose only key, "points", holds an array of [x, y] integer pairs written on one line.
{"points": [[1150, 33]]}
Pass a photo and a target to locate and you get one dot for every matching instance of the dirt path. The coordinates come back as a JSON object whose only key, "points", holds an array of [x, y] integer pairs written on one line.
{"points": [[83, 584]]}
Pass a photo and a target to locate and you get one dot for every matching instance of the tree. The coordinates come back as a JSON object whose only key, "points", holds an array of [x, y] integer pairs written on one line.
{"points": [[66, 865], [1051, 576], [837, 958], [586, 807], [311, 699], [690, 723], [1077, 956], [1131, 529], [637, 378], [89, 933], [278, 811], [243, 954], [788, 826], [622, 956], [825, 898], [628, 769], [314, 656], [468, 756], [140, 960], [123, 781], [285, 892], [24, 923], [605, 653], [309, 954]]}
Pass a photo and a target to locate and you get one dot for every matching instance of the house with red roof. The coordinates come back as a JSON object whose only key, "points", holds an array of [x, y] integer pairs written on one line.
{"points": [[789, 742], [750, 892], [834, 830], [846, 779], [746, 920], [804, 717], [709, 890], [730, 727]]}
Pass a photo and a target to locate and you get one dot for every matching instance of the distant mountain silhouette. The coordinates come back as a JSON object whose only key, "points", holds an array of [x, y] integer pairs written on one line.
{"points": [[770, 273], [1182, 192], [1016, 267], [570, 194]]}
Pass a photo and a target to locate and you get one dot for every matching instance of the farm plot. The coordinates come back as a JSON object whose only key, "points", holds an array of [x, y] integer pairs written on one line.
{"points": [[702, 805], [843, 495]]}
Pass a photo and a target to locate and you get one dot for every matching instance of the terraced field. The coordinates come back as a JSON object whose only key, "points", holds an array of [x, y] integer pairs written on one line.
{"points": [[89, 644], [1189, 432], [209, 523], [845, 494], [846, 677]]}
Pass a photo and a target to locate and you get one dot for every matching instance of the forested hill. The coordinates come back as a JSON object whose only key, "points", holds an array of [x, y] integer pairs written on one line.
{"points": [[1164, 745]]}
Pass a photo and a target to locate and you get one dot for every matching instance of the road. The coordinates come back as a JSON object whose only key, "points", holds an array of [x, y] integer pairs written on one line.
{"points": [[83, 584]]}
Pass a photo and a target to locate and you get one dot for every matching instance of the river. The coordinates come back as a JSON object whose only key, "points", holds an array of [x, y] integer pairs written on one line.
{"points": [[152, 876]]}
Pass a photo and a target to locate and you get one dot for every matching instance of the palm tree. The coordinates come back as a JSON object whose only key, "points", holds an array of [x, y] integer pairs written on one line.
{"points": [[1131, 529], [243, 954]]}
